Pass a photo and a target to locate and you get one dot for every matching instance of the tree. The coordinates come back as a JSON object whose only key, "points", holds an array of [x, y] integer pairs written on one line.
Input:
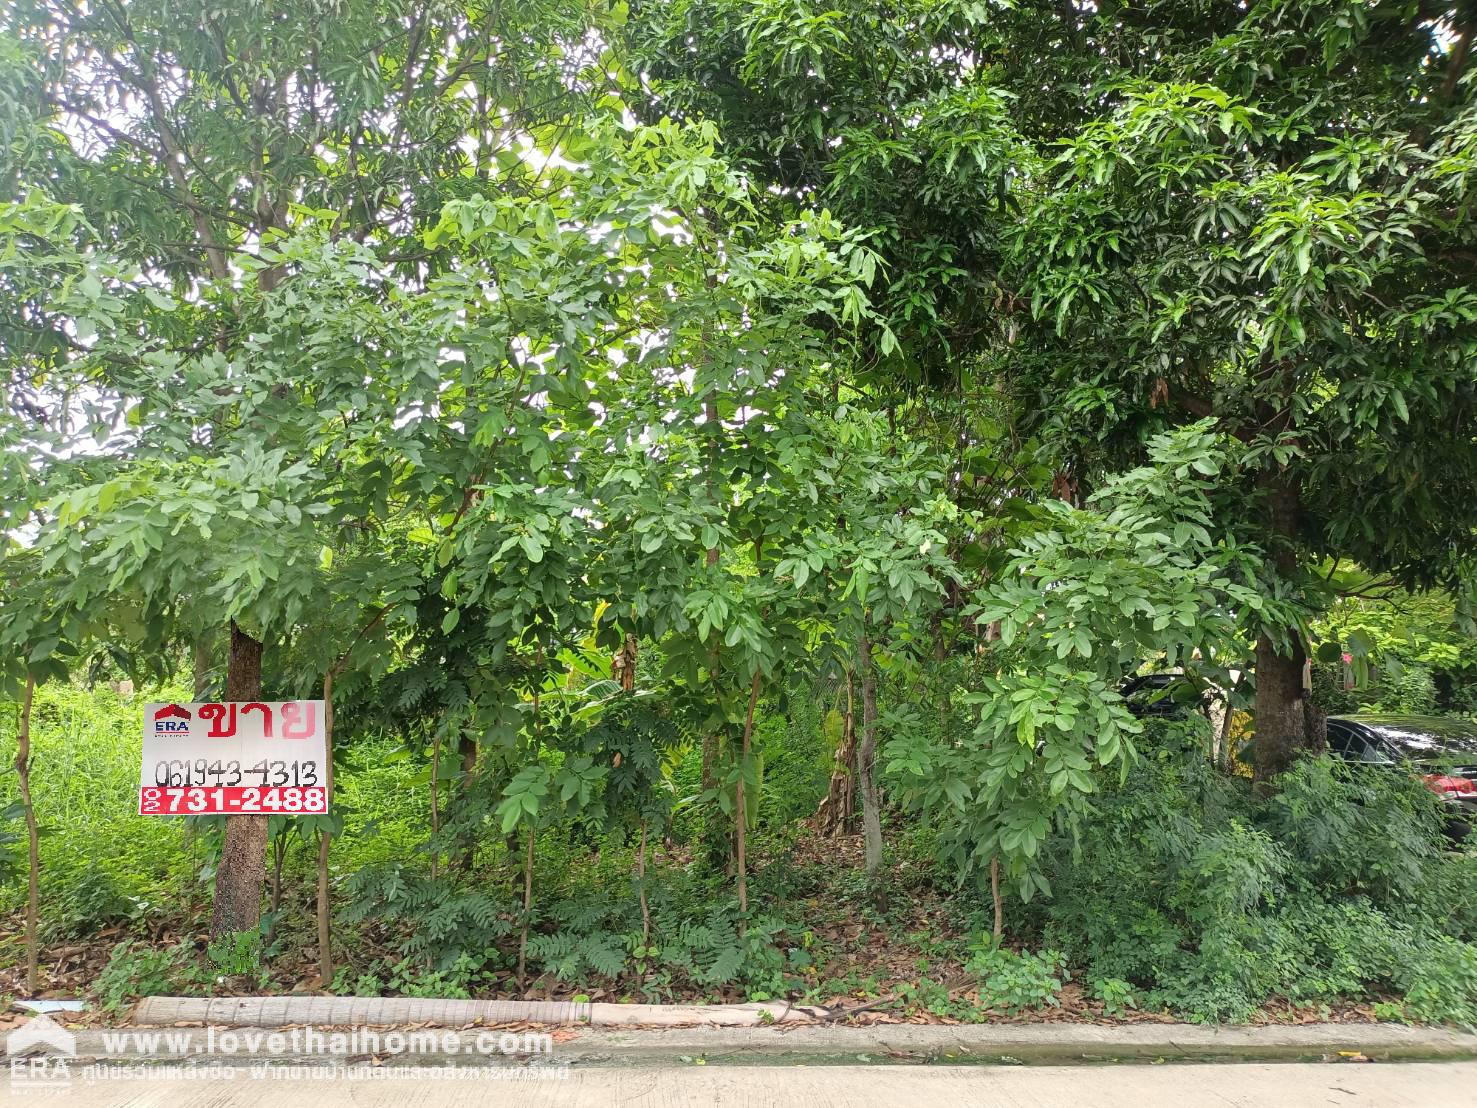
{"points": [[1256, 212], [192, 143], [879, 112], [876, 558], [1087, 595], [1269, 222], [389, 347]]}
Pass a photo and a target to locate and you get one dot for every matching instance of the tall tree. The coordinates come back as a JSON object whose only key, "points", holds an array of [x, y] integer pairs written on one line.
{"points": [[1269, 221], [1259, 212], [389, 346], [192, 140]]}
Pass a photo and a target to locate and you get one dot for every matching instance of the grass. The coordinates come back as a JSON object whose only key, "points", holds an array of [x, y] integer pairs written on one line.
{"points": [[103, 865]]}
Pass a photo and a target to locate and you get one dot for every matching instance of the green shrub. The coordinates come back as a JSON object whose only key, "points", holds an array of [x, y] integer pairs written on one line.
{"points": [[437, 922], [1410, 688], [797, 752], [1329, 692], [1208, 901], [687, 949], [88, 899], [1013, 982], [12, 843], [1117, 995], [86, 747], [455, 982], [1439, 981], [241, 954], [1353, 828], [136, 970], [1448, 896]]}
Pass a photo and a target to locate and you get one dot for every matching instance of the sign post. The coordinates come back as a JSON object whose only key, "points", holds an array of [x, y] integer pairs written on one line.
{"points": [[257, 758]]}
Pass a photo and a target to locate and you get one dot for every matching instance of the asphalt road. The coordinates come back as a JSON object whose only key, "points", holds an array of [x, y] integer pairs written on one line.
{"points": [[1129, 1086]]}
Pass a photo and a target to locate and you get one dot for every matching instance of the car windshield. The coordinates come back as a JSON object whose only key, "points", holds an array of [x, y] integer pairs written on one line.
{"points": [[1423, 738]]}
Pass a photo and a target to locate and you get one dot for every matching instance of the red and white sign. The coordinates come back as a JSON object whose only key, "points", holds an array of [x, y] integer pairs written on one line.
{"points": [[264, 758]]}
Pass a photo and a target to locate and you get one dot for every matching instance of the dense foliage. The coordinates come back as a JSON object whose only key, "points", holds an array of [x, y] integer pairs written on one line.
{"points": [[679, 438]]}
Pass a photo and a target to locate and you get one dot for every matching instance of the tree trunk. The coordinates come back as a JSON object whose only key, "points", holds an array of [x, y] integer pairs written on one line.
{"points": [[466, 747], [710, 759], [837, 812], [1281, 718], [1221, 753], [33, 842], [202, 659], [741, 809], [866, 760], [999, 927], [641, 880], [279, 860], [242, 870], [527, 908], [325, 840], [435, 802], [1281, 713], [710, 559]]}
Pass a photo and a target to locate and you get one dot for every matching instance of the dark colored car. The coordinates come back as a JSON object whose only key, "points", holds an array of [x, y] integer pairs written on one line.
{"points": [[1161, 695], [1443, 751]]}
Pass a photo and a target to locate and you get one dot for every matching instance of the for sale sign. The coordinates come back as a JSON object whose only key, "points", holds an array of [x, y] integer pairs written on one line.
{"points": [[257, 758]]}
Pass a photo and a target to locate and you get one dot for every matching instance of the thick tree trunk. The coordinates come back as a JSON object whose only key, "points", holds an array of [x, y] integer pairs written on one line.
{"points": [[1281, 708], [1281, 721], [33, 843], [866, 760], [242, 870]]}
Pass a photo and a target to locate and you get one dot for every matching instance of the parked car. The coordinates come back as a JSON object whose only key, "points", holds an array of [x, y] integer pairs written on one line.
{"points": [[1161, 695], [1443, 751]]}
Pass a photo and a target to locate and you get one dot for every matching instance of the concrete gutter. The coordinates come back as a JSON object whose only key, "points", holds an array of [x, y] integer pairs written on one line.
{"points": [[906, 1044], [653, 1035], [1021, 1044]]}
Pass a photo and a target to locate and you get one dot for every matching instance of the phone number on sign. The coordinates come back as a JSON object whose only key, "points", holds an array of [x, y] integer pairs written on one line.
{"points": [[226, 800]]}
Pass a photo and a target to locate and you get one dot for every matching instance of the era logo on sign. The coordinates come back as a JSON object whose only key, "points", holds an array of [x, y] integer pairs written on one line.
{"points": [[172, 720]]}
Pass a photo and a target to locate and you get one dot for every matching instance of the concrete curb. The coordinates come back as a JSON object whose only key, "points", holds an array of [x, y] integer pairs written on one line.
{"points": [[653, 1034], [816, 1044], [347, 1011]]}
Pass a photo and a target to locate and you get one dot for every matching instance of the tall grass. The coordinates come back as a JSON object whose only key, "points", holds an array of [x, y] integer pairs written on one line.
{"points": [[102, 863]]}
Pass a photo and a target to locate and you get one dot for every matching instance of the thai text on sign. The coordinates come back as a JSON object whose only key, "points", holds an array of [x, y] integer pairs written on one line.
{"points": [[258, 758]]}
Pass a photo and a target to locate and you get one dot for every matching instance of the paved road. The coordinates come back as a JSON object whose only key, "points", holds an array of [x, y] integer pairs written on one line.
{"points": [[1184, 1086]]}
